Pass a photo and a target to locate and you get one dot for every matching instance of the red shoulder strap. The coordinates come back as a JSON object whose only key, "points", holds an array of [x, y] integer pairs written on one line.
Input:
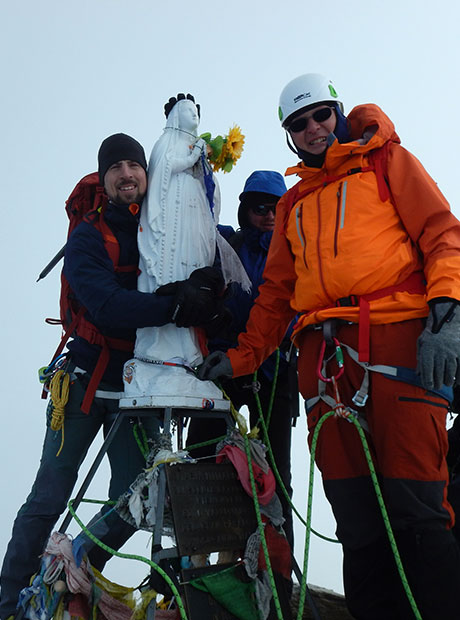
{"points": [[110, 241], [96, 218], [289, 200], [378, 159]]}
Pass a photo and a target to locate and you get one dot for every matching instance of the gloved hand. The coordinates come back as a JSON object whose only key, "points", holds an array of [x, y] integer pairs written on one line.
{"points": [[219, 324], [438, 346], [197, 300], [215, 366]]}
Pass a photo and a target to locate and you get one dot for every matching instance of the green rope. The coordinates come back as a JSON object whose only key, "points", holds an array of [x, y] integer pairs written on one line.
{"points": [[142, 442], [257, 509], [273, 390], [279, 480], [261, 529], [381, 503], [129, 556], [267, 443], [205, 443]]}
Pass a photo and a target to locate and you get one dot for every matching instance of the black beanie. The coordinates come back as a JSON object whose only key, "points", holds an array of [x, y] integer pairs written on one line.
{"points": [[116, 148]]}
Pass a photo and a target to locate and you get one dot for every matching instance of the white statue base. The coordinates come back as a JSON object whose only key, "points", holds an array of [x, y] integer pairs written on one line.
{"points": [[175, 402], [147, 383]]}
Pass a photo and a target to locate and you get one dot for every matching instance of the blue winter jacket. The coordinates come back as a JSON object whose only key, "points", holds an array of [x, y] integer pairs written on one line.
{"points": [[112, 300], [252, 248]]}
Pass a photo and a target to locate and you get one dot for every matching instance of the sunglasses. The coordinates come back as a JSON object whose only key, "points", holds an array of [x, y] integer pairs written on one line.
{"points": [[319, 116], [263, 209]]}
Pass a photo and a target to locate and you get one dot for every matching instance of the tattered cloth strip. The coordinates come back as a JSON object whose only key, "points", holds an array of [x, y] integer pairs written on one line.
{"points": [[78, 609], [232, 589], [279, 552], [168, 612], [232, 448], [261, 580], [38, 600], [256, 568], [83, 580], [138, 505]]}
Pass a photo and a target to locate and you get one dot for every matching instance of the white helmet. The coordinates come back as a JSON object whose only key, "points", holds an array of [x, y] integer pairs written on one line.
{"points": [[305, 91]]}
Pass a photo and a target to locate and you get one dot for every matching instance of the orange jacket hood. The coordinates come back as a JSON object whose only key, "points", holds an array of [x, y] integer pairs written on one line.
{"points": [[369, 128]]}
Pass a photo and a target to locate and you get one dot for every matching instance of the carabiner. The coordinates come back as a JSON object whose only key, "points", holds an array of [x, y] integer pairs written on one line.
{"points": [[338, 357]]}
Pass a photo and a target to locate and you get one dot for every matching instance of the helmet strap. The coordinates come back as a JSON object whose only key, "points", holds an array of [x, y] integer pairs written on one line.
{"points": [[312, 161], [291, 145]]}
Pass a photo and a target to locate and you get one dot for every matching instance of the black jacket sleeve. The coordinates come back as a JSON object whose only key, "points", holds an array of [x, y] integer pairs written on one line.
{"points": [[91, 275]]}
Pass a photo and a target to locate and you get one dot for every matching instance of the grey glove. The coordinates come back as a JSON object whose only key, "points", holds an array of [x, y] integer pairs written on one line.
{"points": [[438, 346], [215, 366]]}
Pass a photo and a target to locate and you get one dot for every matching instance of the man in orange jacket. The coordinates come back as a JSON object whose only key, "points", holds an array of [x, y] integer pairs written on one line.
{"points": [[367, 252]]}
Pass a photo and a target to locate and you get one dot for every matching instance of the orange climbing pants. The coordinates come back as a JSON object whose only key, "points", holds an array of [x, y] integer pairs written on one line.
{"points": [[406, 434]]}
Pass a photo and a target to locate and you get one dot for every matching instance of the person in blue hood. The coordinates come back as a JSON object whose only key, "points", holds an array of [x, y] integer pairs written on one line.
{"points": [[256, 217]]}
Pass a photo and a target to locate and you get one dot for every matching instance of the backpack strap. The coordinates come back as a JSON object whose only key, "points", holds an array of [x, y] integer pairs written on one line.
{"points": [[289, 200], [100, 368], [96, 218], [84, 328], [378, 159]]}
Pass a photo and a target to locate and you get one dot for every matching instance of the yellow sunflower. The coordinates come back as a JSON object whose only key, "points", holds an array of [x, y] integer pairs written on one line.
{"points": [[234, 143], [219, 162], [225, 151]]}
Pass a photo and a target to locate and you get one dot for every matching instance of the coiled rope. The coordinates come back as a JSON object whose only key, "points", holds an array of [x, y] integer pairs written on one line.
{"points": [[59, 395]]}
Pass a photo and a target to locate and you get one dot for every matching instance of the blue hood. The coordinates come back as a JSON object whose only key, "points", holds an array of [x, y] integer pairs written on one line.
{"points": [[260, 186]]}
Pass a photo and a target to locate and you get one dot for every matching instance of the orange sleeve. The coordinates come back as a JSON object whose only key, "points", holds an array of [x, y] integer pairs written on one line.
{"points": [[427, 217], [271, 314]]}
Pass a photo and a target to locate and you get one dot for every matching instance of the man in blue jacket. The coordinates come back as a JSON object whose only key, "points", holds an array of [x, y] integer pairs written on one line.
{"points": [[115, 308], [256, 217]]}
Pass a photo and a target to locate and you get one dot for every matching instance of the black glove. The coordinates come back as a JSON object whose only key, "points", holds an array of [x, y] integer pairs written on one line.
{"points": [[197, 300], [215, 366], [438, 346], [219, 324]]}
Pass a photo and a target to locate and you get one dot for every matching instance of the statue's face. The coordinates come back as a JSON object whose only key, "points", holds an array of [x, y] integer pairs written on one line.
{"points": [[188, 116]]}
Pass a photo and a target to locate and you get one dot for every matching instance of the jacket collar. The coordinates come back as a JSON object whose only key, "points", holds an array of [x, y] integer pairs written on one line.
{"points": [[121, 216], [370, 128]]}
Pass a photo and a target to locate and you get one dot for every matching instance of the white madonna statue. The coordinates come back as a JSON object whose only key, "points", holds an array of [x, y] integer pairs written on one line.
{"points": [[177, 235]]}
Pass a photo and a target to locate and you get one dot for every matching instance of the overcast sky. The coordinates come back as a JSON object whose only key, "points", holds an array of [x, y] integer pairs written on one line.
{"points": [[75, 72]]}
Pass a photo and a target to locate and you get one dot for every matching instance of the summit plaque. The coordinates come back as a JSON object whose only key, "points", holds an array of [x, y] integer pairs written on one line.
{"points": [[211, 511]]}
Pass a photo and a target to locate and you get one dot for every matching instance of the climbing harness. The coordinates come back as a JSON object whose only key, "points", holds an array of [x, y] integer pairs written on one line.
{"points": [[338, 357], [45, 373]]}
